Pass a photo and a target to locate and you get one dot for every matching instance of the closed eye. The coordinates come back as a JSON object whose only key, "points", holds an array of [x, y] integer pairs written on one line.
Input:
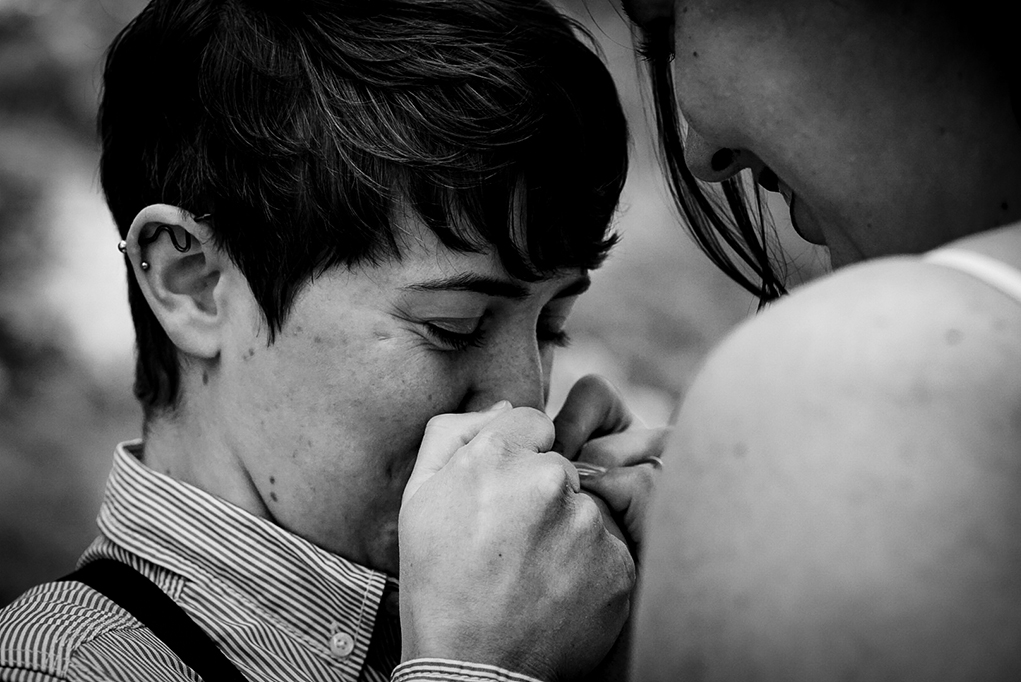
{"points": [[549, 330], [553, 337], [456, 334]]}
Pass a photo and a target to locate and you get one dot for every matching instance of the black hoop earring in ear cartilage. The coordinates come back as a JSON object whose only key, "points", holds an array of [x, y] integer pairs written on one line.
{"points": [[144, 265], [182, 248]]}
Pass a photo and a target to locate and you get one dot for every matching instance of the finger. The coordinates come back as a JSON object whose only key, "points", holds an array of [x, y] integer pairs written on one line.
{"points": [[594, 407], [513, 432], [572, 472], [444, 435], [627, 491], [624, 449], [606, 513], [623, 486]]}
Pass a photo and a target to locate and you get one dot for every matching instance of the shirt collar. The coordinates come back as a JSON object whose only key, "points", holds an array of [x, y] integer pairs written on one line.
{"points": [[209, 540]]}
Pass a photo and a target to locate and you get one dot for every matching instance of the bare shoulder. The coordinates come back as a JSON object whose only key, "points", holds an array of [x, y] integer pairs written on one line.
{"points": [[843, 492], [897, 342]]}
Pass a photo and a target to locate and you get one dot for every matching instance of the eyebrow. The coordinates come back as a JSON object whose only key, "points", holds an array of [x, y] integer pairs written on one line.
{"points": [[491, 286]]}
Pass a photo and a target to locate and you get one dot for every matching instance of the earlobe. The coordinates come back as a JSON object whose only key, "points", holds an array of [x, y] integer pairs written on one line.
{"points": [[180, 271]]}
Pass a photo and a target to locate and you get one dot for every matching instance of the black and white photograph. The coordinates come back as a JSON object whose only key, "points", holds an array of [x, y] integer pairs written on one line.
{"points": [[510, 341]]}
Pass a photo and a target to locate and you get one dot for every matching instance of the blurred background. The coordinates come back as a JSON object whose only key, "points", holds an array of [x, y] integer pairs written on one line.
{"points": [[66, 339]]}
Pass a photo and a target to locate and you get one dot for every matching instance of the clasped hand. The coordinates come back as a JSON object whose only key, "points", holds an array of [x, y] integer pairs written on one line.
{"points": [[504, 558]]}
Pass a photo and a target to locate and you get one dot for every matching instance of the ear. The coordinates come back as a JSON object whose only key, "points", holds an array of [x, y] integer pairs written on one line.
{"points": [[181, 273]]}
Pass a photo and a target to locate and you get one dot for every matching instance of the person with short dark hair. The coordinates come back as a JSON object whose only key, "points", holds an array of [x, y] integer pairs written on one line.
{"points": [[353, 233]]}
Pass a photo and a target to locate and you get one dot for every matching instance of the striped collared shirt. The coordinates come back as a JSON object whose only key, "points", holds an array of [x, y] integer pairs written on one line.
{"points": [[278, 607]]}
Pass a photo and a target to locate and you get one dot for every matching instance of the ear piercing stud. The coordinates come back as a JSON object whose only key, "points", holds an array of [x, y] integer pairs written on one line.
{"points": [[122, 246]]}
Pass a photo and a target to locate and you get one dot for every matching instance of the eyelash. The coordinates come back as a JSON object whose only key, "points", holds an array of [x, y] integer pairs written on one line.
{"points": [[454, 340], [559, 339], [474, 339]]}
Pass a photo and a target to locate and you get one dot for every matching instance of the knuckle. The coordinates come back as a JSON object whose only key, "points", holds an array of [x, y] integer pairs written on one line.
{"points": [[549, 480], [440, 422], [537, 425], [588, 516], [630, 574], [627, 573], [621, 572], [531, 411], [536, 417], [597, 382], [489, 443]]}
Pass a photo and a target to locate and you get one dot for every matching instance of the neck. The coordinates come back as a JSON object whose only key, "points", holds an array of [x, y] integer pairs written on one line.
{"points": [[188, 445]]}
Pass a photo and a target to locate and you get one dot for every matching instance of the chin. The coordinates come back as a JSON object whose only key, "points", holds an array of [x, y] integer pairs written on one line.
{"points": [[383, 554], [389, 564]]}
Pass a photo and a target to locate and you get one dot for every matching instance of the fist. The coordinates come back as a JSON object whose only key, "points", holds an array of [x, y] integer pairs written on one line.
{"points": [[503, 560]]}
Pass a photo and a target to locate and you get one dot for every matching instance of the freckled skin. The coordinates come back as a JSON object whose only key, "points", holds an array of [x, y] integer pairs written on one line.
{"points": [[319, 430]]}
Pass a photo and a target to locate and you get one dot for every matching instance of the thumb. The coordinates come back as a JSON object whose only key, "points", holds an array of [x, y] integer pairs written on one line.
{"points": [[444, 435], [593, 408]]}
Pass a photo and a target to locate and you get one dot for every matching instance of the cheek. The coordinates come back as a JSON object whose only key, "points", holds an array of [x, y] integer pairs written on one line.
{"points": [[397, 395], [718, 73], [702, 105], [547, 358], [365, 432], [369, 394]]}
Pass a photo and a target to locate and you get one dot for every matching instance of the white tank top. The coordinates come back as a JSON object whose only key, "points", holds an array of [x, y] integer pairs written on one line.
{"points": [[993, 272]]}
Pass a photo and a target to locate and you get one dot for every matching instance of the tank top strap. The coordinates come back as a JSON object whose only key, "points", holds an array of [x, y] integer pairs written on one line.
{"points": [[992, 271]]}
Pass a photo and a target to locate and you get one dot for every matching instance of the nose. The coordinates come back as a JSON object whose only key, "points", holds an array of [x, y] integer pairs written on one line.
{"points": [[516, 371], [712, 163], [644, 12]]}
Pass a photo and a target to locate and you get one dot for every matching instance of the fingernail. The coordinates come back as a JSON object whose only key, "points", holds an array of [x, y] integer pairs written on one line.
{"points": [[656, 462], [589, 471], [499, 405]]}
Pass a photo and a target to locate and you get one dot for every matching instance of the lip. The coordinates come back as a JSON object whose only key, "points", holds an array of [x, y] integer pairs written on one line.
{"points": [[803, 224], [788, 194]]}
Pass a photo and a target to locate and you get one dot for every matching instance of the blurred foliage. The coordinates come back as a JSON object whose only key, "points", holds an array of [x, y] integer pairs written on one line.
{"points": [[55, 414]]}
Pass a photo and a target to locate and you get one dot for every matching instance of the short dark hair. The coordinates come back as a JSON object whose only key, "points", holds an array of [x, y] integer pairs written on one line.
{"points": [[304, 127]]}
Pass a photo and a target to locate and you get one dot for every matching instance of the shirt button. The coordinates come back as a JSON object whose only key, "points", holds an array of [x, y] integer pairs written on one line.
{"points": [[341, 644]]}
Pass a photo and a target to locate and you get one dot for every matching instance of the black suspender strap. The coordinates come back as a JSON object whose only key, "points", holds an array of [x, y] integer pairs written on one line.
{"points": [[140, 597]]}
